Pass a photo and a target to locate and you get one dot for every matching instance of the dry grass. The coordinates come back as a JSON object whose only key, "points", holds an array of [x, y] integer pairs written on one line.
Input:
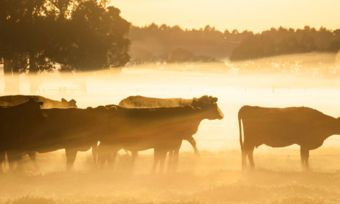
{"points": [[211, 178]]}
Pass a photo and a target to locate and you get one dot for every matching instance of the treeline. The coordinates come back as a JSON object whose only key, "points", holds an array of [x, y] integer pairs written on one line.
{"points": [[174, 44], [287, 41], [37, 35]]}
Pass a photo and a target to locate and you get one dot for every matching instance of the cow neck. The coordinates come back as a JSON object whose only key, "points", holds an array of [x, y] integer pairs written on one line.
{"points": [[336, 126]]}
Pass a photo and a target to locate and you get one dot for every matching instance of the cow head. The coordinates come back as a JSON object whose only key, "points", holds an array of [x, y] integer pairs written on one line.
{"points": [[69, 104], [208, 105]]}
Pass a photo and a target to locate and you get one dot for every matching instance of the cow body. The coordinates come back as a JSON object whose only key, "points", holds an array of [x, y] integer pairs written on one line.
{"points": [[162, 129], [16, 122], [150, 102], [280, 127], [70, 129], [13, 100]]}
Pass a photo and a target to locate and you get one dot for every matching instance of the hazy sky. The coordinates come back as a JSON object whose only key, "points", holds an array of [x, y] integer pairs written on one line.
{"points": [[253, 15]]}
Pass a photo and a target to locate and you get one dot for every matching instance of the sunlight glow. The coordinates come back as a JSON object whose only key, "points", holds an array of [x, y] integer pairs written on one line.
{"points": [[255, 15]]}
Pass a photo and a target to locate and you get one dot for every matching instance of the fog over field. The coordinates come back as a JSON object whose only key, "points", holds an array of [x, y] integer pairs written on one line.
{"points": [[213, 177]]}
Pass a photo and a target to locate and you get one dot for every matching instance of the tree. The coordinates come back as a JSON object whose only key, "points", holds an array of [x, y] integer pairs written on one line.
{"points": [[286, 41], [36, 35], [95, 38]]}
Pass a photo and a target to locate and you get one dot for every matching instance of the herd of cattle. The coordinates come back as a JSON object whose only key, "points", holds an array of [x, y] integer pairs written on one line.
{"points": [[35, 124], [25, 128]]}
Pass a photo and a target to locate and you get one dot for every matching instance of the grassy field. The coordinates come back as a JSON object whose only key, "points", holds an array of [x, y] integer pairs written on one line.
{"points": [[210, 178], [214, 177]]}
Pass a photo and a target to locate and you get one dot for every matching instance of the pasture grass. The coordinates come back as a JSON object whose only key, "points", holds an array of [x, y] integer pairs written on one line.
{"points": [[211, 178]]}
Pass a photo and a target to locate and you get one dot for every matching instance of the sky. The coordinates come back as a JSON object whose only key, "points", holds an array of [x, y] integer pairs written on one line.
{"points": [[254, 15]]}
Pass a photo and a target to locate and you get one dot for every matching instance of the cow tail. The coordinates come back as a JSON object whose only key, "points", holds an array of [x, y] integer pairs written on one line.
{"points": [[240, 130]]}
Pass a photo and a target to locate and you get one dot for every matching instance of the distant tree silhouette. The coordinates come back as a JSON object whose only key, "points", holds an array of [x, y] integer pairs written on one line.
{"points": [[287, 41], [174, 44], [36, 35]]}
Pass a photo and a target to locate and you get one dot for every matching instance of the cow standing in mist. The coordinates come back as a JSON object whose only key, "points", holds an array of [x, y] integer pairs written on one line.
{"points": [[150, 102], [280, 127], [72, 129], [14, 100], [162, 129], [15, 123]]}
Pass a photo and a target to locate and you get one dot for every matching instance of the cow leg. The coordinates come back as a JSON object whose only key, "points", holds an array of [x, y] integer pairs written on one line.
{"points": [[304, 153], [175, 154], [10, 160], [250, 153], [133, 158], [95, 153], [302, 157], [102, 156], [13, 158], [307, 159], [162, 157], [106, 153], [170, 159], [244, 159], [32, 156], [175, 160], [192, 141], [112, 156], [70, 158], [159, 158], [2, 161], [155, 160]]}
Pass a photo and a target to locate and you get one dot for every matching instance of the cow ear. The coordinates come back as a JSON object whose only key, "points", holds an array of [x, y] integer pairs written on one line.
{"points": [[194, 102], [63, 100], [214, 99], [73, 102]]}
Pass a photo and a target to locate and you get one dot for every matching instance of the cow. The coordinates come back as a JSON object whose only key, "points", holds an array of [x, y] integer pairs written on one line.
{"points": [[12, 100], [162, 129], [72, 129], [16, 122], [280, 127], [149, 102]]}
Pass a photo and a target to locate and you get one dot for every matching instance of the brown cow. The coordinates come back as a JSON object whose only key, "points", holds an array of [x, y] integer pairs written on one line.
{"points": [[13, 100], [149, 102], [16, 122], [280, 127], [162, 129], [71, 129]]}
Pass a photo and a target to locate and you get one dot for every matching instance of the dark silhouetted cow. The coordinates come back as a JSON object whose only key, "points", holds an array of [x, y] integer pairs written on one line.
{"points": [[162, 129], [71, 129], [13, 100], [280, 127], [15, 123], [149, 102]]}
